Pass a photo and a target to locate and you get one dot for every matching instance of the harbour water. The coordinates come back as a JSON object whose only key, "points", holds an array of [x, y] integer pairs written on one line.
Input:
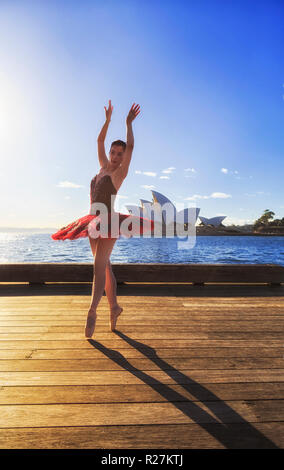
{"points": [[21, 247]]}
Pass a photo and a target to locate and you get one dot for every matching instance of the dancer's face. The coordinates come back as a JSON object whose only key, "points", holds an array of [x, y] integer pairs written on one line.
{"points": [[116, 155]]}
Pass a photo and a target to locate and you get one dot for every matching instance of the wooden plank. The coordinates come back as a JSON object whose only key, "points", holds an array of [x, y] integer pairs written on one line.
{"points": [[252, 298], [138, 310], [54, 307], [114, 414], [133, 319], [129, 327], [138, 377], [190, 306], [235, 303], [163, 353], [209, 301], [17, 395], [201, 323], [188, 303], [157, 312], [119, 362], [165, 272], [182, 436], [102, 334], [115, 342]]}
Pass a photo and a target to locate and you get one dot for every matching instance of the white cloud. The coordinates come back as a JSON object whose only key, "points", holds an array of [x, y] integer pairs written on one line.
{"points": [[164, 177], [191, 172], [169, 169], [68, 184], [257, 193], [121, 196], [147, 186], [147, 173], [220, 195], [196, 196], [215, 195], [152, 173], [232, 172]]}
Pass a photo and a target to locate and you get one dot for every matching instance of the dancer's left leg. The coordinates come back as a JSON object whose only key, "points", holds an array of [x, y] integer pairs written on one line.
{"points": [[103, 252]]}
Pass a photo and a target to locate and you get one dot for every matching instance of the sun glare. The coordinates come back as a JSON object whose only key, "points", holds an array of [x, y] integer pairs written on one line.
{"points": [[15, 116]]}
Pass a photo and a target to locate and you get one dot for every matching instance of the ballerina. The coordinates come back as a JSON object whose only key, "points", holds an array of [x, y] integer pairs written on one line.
{"points": [[103, 189]]}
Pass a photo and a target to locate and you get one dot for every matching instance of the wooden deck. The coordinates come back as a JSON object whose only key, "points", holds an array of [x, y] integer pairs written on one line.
{"points": [[188, 367]]}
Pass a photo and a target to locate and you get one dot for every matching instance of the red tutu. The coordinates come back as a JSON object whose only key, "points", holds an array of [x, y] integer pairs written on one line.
{"points": [[89, 225]]}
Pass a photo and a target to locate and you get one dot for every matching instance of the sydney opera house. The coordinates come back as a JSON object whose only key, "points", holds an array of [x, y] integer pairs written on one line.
{"points": [[163, 211], [214, 221]]}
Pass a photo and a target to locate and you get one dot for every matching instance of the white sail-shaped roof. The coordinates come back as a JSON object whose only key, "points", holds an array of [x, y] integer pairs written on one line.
{"points": [[169, 210], [147, 206], [144, 201], [215, 221], [188, 215], [135, 210], [160, 198], [185, 216]]}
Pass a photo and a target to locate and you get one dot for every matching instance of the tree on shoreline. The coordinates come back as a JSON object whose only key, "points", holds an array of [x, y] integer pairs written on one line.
{"points": [[266, 220]]}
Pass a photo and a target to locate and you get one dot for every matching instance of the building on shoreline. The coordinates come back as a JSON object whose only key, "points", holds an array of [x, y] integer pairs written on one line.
{"points": [[214, 221], [163, 211]]}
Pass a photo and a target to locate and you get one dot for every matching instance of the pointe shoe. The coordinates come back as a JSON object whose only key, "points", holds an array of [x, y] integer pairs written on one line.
{"points": [[113, 318], [90, 326]]}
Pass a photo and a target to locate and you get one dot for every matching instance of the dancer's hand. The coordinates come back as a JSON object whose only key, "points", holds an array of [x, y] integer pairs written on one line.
{"points": [[133, 113], [108, 111]]}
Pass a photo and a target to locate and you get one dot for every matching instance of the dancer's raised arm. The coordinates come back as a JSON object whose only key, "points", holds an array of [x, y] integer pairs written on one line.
{"points": [[102, 135], [133, 113]]}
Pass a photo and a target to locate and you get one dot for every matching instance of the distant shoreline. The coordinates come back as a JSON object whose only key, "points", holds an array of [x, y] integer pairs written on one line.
{"points": [[240, 234], [200, 232], [22, 229]]}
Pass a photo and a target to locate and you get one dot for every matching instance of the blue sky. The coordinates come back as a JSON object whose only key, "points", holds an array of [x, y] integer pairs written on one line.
{"points": [[208, 76]]}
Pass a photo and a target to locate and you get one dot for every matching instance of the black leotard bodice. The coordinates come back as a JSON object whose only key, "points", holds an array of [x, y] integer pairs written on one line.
{"points": [[102, 191]]}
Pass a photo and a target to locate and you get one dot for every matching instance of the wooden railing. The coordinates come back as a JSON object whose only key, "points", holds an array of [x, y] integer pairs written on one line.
{"points": [[38, 273]]}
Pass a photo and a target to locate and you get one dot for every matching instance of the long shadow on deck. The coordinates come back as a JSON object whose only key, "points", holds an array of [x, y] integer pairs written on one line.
{"points": [[225, 432]]}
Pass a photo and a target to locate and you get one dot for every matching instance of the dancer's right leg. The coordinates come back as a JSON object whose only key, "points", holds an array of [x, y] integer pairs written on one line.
{"points": [[110, 288], [111, 284], [91, 318]]}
